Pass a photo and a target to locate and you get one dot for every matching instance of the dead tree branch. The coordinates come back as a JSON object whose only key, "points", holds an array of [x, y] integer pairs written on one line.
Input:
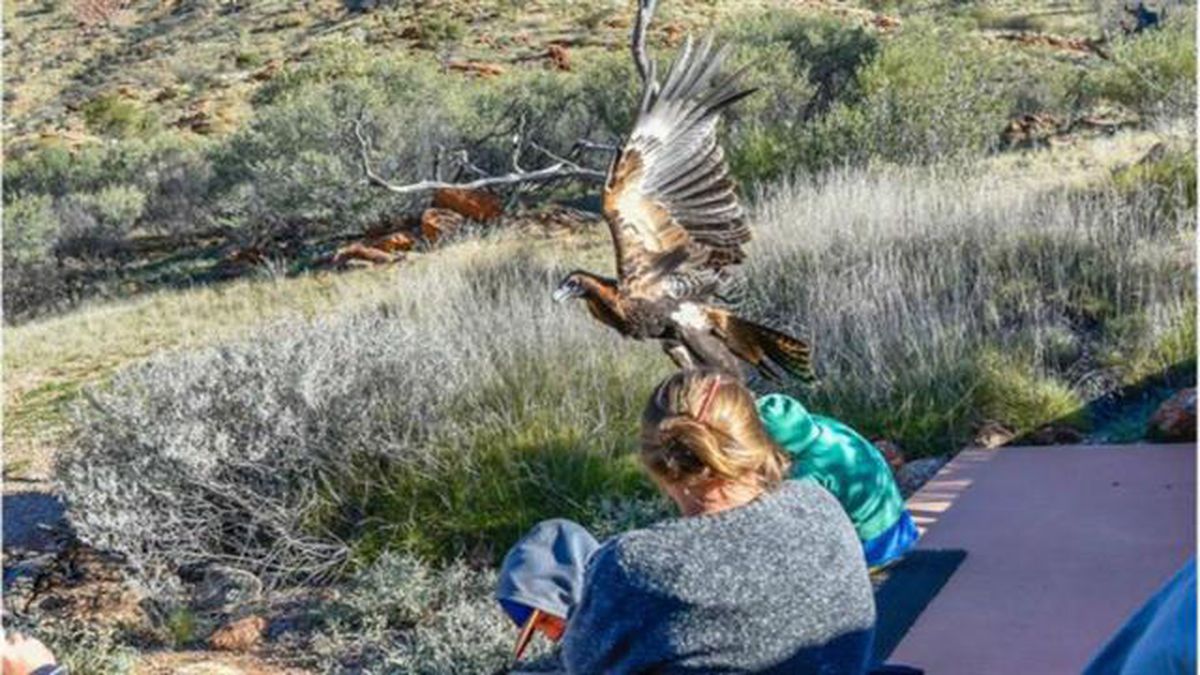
{"points": [[645, 65], [562, 169]]}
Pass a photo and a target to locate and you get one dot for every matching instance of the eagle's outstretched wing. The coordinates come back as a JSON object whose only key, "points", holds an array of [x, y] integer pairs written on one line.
{"points": [[669, 199]]}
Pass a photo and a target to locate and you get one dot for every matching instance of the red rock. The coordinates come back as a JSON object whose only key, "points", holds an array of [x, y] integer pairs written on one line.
{"points": [[477, 205], [673, 34], [1175, 419], [891, 452], [239, 636], [477, 68], [559, 57], [393, 243], [437, 223], [268, 71], [358, 251], [884, 22]]}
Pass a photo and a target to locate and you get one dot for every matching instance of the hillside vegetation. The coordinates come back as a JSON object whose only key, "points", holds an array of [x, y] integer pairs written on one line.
{"points": [[126, 173], [975, 224]]}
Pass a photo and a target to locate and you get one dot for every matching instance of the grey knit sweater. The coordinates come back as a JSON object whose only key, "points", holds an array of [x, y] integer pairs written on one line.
{"points": [[776, 586]]}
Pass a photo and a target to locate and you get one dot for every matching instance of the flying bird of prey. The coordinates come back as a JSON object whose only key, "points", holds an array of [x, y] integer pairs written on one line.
{"points": [[677, 228]]}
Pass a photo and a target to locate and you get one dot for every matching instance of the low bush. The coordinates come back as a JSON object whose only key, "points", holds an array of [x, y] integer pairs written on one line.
{"points": [[924, 99], [115, 115], [30, 227], [400, 615], [70, 213], [354, 432], [1171, 174], [1152, 72]]}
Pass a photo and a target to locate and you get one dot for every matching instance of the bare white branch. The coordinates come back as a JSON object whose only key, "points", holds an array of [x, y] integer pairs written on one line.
{"points": [[560, 170], [645, 65]]}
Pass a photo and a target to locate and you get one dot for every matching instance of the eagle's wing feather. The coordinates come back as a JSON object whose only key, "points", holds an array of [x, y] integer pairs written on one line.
{"points": [[670, 202]]}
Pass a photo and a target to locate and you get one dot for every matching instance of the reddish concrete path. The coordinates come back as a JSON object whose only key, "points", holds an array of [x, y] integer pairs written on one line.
{"points": [[1063, 543]]}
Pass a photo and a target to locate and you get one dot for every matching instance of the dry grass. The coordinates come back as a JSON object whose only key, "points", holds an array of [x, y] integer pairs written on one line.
{"points": [[47, 362]]}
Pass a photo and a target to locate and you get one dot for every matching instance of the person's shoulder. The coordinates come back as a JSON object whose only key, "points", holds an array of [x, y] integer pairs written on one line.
{"points": [[807, 495], [644, 555]]}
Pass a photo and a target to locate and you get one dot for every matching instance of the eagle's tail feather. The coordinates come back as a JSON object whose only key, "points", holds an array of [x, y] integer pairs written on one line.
{"points": [[768, 350]]}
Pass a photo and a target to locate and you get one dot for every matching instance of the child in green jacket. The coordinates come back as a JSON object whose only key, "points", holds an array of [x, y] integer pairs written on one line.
{"points": [[850, 467]]}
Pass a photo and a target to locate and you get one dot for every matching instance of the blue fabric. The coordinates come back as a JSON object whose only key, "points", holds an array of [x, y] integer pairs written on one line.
{"points": [[1160, 638], [893, 543], [544, 570]]}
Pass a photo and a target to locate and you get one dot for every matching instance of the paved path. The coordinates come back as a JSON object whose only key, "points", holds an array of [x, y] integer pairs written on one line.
{"points": [[1063, 543]]}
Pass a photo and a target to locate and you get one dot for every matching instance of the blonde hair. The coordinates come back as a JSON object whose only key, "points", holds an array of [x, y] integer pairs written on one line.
{"points": [[702, 425]]}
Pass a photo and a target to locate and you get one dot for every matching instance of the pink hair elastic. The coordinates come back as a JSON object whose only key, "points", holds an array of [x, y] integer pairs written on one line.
{"points": [[709, 394]]}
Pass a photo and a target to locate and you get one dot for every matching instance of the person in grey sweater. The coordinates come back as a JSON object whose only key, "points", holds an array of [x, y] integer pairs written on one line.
{"points": [[760, 575]]}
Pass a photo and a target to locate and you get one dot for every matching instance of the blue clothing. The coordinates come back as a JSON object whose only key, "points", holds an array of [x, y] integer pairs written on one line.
{"points": [[893, 543], [1160, 638], [544, 570]]}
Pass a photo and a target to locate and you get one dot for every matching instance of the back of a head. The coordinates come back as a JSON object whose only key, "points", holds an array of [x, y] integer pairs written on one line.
{"points": [[701, 425]]}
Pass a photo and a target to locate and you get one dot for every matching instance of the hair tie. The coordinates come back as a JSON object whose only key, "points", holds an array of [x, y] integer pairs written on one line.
{"points": [[702, 414]]}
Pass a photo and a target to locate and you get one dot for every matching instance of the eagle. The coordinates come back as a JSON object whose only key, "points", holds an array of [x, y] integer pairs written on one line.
{"points": [[678, 230]]}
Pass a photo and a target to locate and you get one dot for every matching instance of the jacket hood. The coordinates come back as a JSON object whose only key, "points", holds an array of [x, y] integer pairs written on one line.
{"points": [[786, 420], [544, 570]]}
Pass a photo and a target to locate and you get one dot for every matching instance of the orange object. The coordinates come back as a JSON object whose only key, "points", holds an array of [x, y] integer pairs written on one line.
{"points": [[363, 252], [559, 57], [474, 204], [393, 243], [539, 622], [437, 223]]}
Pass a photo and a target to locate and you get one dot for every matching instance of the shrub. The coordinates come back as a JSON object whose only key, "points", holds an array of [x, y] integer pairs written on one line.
{"points": [[97, 225], [927, 94], [923, 99], [800, 65], [1009, 391], [248, 58], [298, 164], [988, 18], [56, 171], [30, 230], [114, 115], [827, 52], [83, 647], [30, 227], [1152, 72], [439, 435], [439, 26], [401, 615], [1173, 175]]}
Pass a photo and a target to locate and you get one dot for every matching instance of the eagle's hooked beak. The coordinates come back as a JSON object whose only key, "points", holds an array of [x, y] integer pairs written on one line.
{"points": [[569, 288], [564, 292]]}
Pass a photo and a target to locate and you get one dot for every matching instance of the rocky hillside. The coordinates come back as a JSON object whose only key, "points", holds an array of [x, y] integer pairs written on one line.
{"points": [[195, 65]]}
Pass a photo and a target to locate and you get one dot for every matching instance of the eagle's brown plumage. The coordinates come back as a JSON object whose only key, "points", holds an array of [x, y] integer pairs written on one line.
{"points": [[677, 225]]}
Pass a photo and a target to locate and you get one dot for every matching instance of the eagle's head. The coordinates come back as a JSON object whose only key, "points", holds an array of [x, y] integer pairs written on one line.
{"points": [[574, 285]]}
